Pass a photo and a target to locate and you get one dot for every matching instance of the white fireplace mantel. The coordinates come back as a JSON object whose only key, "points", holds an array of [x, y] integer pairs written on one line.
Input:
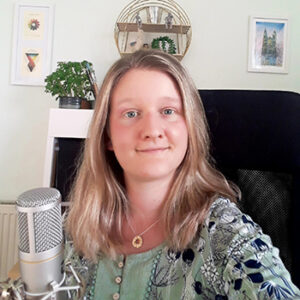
{"points": [[64, 123]]}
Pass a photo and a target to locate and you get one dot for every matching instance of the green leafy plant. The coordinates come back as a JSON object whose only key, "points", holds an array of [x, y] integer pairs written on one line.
{"points": [[70, 79], [164, 43]]}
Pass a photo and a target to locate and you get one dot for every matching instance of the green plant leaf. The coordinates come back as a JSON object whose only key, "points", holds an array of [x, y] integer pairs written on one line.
{"points": [[69, 80]]}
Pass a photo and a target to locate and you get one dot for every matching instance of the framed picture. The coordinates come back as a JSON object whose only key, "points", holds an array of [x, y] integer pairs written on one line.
{"points": [[32, 43], [268, 45]]}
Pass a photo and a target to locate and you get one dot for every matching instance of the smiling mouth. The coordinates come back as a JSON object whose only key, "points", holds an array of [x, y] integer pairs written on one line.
{"points": [[153, 150]]}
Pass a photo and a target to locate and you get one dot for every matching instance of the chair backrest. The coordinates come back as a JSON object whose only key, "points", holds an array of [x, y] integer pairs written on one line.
{"points": [[256, 143]]}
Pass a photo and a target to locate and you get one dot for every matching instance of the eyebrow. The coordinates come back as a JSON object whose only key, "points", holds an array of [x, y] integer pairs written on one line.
{"points": [[173, 99], [164, 98]]}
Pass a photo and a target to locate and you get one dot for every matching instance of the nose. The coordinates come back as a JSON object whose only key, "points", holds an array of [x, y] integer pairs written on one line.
{"points": [[151, 127]]}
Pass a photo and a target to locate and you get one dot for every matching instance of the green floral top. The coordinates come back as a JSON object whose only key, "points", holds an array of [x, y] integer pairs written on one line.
{"points": [[230, 259]]}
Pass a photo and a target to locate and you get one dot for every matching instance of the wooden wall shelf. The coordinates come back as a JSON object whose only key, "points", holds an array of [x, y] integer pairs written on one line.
{"points": [[156, 19], [132, 27], [178, 56]]}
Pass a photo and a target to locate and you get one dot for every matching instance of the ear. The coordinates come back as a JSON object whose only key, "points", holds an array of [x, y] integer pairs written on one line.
{"points": [[109, 145]]}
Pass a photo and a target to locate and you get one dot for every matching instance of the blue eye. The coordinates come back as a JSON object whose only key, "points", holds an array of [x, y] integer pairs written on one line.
{"points": [[131, 114], [168, 111]]}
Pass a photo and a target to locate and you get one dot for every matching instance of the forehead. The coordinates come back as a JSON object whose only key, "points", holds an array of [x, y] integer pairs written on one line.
{"points": [[146, 83]]}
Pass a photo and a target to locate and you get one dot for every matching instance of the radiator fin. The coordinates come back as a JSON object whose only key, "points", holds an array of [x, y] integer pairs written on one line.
{"points": [[8, 239]]}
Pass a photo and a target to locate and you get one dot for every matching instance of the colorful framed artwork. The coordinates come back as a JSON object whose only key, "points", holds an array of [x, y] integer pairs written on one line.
{"points": [[32, 44], [268, 45]]}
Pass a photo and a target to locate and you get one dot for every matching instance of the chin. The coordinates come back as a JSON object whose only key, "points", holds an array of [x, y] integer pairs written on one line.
{"points": [[156, 175]]}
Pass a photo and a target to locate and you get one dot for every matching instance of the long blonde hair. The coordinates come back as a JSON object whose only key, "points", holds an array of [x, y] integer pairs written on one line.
{"points": [[98, 197]]}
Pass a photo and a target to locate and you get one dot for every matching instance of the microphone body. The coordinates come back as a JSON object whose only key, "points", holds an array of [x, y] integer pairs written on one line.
{"points": [[40, 242]]}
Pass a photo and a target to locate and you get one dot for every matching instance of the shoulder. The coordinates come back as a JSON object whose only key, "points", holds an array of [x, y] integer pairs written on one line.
{"points": [[224, 212], [235, 246], [230, 234], [226, 219], [226, 228]]}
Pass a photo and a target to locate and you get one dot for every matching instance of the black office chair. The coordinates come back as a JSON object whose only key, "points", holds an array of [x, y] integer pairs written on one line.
{"points": [[256, 144]]}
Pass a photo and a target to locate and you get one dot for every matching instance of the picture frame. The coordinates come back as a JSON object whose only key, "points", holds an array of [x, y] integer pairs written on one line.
{"points": [[32, 43], [268, 44]]}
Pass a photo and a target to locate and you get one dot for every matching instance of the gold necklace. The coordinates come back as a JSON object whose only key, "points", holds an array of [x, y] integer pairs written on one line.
{"points": [[137, 241]]}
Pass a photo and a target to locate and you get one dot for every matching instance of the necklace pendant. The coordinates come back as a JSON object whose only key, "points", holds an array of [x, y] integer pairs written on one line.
{"points": [[137, 241]]}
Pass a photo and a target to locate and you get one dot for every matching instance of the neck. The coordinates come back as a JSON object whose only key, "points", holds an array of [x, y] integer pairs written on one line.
{"points": [[146, 198], [146, 204]]}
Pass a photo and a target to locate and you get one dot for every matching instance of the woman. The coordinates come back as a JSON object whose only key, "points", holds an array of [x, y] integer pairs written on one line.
{"points": [[150, 216]]}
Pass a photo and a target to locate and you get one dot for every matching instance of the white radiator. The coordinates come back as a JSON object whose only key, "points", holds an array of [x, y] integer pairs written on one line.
{"points": [[8, 239]]}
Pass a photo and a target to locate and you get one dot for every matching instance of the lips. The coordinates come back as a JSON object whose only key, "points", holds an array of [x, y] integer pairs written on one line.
{"points": [[152, 149]]}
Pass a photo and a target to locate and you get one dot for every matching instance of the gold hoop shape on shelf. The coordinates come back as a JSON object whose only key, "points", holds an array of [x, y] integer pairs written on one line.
{"points": [[142, 22]]}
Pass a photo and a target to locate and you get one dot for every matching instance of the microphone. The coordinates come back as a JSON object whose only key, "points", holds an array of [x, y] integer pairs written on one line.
{"points": [[44, 274], [40, 242]]}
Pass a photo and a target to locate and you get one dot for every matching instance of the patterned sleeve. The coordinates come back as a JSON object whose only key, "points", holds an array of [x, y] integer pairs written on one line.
{"points": [[252, 266], [84, 270]]}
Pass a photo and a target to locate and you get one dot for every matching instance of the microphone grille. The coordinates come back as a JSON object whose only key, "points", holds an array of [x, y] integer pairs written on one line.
{"points": [[38, 197], [23, 232], [46, 225], [47, 229]]}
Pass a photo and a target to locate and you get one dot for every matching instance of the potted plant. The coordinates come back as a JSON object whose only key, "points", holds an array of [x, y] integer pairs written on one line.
{"points": [[73, 83], [164, 43]]}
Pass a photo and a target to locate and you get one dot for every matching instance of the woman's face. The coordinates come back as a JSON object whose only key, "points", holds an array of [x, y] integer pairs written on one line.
{"points": [[147, 127]]}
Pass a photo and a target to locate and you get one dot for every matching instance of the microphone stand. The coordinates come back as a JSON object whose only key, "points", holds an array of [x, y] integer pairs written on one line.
{"points": [[12, 289], [15, 290]]}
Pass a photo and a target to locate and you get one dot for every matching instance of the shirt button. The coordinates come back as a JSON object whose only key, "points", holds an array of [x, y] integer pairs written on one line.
{"points": [[120, 265], [118, 279], [116, 296]]}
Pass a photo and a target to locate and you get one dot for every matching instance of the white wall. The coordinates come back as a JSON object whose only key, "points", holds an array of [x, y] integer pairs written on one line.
{"points": [[217, 58]]}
